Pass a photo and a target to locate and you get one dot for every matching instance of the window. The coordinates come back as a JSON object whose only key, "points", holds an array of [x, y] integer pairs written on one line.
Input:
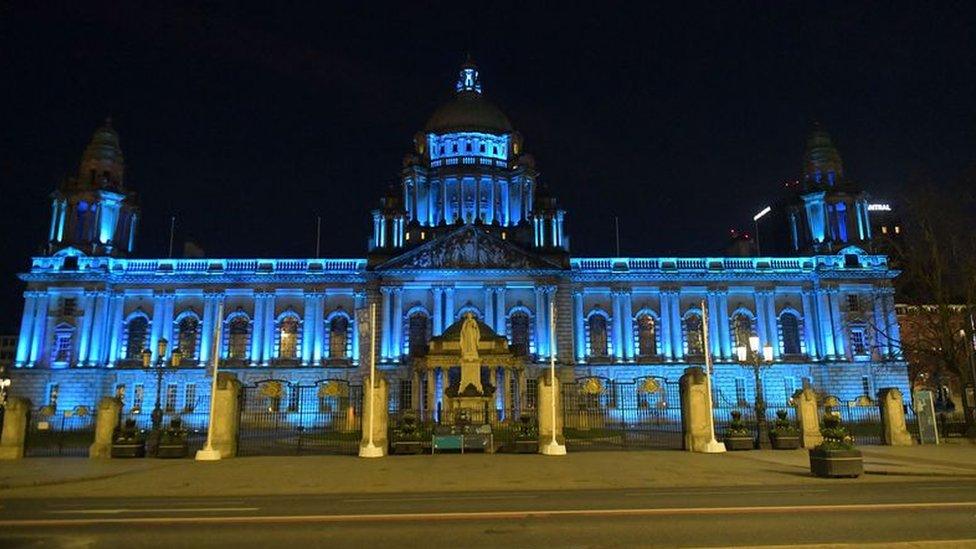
{"points": [[467, 147], [288, 338], [858, 342], [189, 397], [884, 229], [791, 333], [693, 335], [188, 336], [866, 386], [741, 329], [170, 405], [293, 396], [139, 392], [136, 331], [69, 306], [338, 335], [417, 334], [646, 336], [237, 338], [598, 335], [120, 392], [853, 303], [62, 346], [740, 391], [897, 229], [52, 395], [520, 333], [454, 147]]}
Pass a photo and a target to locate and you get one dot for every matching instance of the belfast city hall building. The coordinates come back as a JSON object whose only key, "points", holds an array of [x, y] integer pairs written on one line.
{"points": [[469, 232]]}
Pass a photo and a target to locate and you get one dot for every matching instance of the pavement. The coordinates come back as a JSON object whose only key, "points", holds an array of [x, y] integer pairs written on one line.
{"points": [[80, 477]]}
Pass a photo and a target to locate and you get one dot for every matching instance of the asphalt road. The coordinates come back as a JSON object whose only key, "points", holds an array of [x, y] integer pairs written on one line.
{"points": [[831, 512]]}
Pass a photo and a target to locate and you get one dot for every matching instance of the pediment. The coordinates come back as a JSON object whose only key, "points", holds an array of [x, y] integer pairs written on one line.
{"points": [[468, 248]]}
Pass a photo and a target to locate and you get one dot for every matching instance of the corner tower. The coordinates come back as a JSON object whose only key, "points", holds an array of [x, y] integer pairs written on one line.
{"points": [[92, 212], [828, 212], [468, 167]]}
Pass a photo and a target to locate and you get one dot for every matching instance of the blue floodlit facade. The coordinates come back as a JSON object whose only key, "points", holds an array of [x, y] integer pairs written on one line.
{"points": [[470, 228]]}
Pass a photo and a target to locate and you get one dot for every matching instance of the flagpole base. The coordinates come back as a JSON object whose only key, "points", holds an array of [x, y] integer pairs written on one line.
{"points": [[208, 454], [714, 447], [553, 449], [370, 450]]}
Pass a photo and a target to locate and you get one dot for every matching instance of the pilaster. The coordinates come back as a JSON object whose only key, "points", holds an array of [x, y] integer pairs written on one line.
{"points": [[579, 334], [26, 329]]}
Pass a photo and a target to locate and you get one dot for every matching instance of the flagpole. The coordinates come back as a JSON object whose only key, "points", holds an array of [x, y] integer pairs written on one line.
{"points": [[553, 448], [370, 450], [208, 453], [712, 446]]}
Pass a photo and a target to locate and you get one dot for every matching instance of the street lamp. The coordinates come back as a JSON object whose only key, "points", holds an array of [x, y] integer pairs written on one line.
{"points": [[755, 220], [750, 357], [160, 367]]}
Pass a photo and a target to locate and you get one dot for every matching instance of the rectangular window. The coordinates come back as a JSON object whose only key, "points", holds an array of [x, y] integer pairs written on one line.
{"points": [[171, 391], [858, 342], [68, 306], [52, 395], [866, 386], [853, 303], [62, 347], [406, 395], [139, 392], [740, 390], [293, 396], [190, 397], [120, 392]]}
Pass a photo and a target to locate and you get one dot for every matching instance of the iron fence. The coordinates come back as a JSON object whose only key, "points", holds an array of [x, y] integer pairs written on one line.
{"points": [[862, 422], [60, 432]]}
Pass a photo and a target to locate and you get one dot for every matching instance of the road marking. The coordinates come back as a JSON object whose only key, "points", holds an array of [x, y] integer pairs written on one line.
{"points": [[441, 498], [145, 510], [487, 515], [718, 492]]}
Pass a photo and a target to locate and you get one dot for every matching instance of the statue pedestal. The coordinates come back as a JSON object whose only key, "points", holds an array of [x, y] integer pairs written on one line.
{"points": [[478, 408]]}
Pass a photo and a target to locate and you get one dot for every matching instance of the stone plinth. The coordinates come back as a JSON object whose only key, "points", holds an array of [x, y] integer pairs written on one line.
{"points": [[696, 424], [805, 401], [107, 420], [894, 432], [14, 428], [377, 408], [226, 415]]}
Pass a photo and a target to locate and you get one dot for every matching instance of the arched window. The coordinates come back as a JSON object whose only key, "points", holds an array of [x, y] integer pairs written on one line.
{"points": [[790, 326], [188, 335], [417, 334], [338, 336], [288, 337], [693, 335], [598, 335], [136, 331], [741, 330], [646, 336], [237, 338], [520, 333]]}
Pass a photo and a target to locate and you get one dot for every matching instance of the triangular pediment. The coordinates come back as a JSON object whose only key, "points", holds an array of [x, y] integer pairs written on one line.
{"points": [[468, 247]]}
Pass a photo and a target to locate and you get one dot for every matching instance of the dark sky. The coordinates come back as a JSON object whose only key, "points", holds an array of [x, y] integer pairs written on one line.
{"points": [[246, 123]]}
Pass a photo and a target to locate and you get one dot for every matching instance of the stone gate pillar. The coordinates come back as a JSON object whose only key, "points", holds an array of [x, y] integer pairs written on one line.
{"points": [[375, 411], [106, 421], [695, 423], [226, 415], [544, 410], [805, 401], [15, 419], [894, 432]]}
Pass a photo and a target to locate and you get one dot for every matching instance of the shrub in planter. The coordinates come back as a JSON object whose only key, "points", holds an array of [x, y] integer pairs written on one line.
{"points": [[526, 435], [784, 435], [129, 441], [173, 442], [737, 435], [836, 456], [408, 437]]}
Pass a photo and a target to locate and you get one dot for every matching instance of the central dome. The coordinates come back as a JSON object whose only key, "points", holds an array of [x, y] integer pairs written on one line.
{"points": [[469, 110]]}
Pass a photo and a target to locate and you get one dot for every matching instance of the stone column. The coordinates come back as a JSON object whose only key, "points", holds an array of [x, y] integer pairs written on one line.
{"points": [[546, 392], [771, 319], [100, 318], [226, 415], [666, 352], [824, 325], [893, 429], [106, 422], [438, 320], [489, 306], [359, 302], [375, 411], [429, 404], [500, 310], [39, 333], [115, 327], [628, 324], [810, 324], [318, 327], [891, 322], [308, 328], [397, 325], [715, 338], [493, 377], [695, 423], [579, 333], [522, 390], [14, 428], [674, 306], [448, 308], [541, 328], [268, 342], [26, 323], [762, 323], [617, 311], [415, 391], [805, 401], [84, 332], [836, 324], [257, 328], [507, 388], [723, 323]]}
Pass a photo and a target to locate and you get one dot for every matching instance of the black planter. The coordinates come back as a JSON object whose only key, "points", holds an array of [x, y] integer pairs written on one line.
{"points": [[527, 446], [836, 463], [784, 442], [733, 443], [408, 447], [172, 449], [129, 449]]}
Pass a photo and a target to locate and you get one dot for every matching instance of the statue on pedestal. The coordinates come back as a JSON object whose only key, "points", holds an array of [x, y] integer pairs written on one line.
{"points": [[470, 363]]}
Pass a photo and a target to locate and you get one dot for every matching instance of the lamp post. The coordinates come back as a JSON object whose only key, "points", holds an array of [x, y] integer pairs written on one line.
{"points": [[159, 367], [751, 357], [755, 221]]}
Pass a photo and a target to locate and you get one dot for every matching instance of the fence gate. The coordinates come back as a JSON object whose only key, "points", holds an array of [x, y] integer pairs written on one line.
{"points": [[602, 414], [60, 432], [282, 419]]}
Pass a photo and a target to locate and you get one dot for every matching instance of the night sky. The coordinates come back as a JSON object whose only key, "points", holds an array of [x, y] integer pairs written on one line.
{"points": [[248, 123]]}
